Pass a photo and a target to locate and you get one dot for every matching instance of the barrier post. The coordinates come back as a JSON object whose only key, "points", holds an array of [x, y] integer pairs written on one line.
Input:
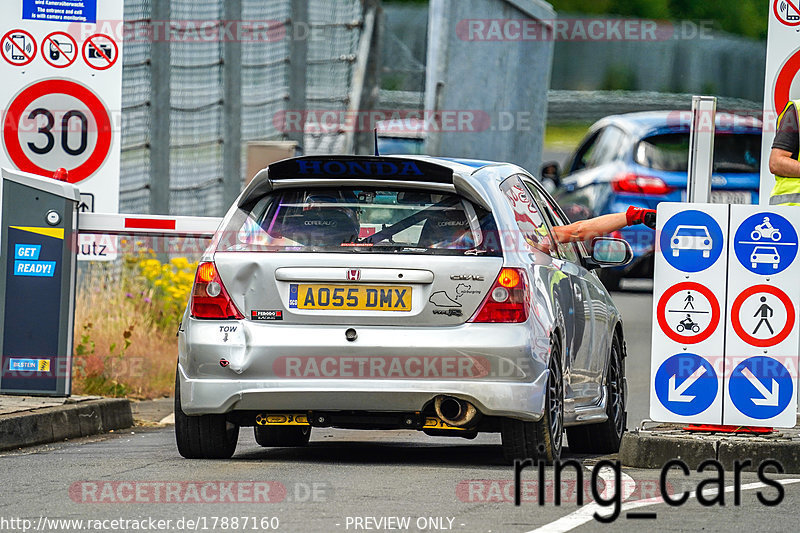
{"points": [[701, 149], [38, 221]]}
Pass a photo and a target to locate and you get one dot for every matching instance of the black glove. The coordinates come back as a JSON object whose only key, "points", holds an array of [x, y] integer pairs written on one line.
{"points": [[650, 219], [637, 215]]}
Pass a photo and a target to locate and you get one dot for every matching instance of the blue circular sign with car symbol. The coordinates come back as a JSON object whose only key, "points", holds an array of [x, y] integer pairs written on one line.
{"points": [[691, 241], [765, 243]]}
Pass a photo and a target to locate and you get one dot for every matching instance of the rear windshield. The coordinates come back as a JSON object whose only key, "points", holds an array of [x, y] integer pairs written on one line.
{"points": [[361, 220], [732, 152]]}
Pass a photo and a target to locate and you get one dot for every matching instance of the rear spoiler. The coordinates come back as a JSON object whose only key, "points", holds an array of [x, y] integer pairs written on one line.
{"points": [[358, 167], [374, 168]]}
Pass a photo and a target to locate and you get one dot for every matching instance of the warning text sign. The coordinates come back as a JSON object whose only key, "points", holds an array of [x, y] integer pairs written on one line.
{"points": [[60, 10]]}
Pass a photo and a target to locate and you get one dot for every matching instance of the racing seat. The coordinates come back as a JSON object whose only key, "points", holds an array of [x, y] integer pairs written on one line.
{"points": [[318, 226], [445, 228]]}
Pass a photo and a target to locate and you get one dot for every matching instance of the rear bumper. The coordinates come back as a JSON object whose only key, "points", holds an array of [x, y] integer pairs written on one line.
{"points": [[524, 401], [501, 369]]}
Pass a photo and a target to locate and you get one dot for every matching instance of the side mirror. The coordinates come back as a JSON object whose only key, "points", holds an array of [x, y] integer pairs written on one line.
{"points": [[607, 252]]}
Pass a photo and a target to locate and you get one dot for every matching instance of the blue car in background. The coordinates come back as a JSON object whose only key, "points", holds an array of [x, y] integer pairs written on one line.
{"points": [[641, 159]]}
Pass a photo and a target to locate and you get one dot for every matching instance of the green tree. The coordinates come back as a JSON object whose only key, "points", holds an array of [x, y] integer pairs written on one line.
{"points": [[742, 17]]}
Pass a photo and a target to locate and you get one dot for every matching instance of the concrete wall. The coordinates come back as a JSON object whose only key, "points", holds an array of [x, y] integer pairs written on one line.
{"points": [[504, 83]]}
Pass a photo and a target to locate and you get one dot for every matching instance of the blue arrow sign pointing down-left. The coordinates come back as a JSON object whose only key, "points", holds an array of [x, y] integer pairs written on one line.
{"points": [[686, 384], [675, 394]]}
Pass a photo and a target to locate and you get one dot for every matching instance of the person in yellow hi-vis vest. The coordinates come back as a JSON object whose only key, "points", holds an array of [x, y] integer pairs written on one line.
{"points": [[783, 159]]}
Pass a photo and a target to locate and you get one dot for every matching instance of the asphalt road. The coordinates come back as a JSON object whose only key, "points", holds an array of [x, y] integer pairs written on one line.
{"points": [[363, 481]]}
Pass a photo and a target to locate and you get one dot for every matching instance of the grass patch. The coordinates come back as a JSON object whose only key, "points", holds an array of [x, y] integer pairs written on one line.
{"points": [[125, 323], [565, 135]]}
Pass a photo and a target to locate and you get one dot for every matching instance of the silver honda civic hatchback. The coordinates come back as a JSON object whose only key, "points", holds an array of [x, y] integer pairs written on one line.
{"points": [[400, 293]]}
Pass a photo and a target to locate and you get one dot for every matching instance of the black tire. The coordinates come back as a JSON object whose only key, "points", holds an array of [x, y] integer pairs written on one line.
{"points": [[610, 278], [605, 437], [282, 436], [203, 436], [540, 440]]}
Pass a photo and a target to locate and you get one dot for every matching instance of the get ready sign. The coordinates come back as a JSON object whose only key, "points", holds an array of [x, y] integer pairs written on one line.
{"points": [[61, 67]]}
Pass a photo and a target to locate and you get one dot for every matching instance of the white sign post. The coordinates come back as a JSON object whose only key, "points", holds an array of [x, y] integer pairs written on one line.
{"points": [[62, 94], [701, 148], [725, 336], [782, 82]]}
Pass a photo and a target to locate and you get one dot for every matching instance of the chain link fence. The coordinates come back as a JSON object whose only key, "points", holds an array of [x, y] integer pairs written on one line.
{"points": [[203, 112]]}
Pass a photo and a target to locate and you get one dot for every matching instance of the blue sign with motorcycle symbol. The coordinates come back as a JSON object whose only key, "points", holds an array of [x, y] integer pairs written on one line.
{"points": [[765, 243], [691, 241]]}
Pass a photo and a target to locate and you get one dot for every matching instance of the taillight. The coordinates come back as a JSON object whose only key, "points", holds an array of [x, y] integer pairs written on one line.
{"points": [[507, 301], [209, 297], [633, 183]]}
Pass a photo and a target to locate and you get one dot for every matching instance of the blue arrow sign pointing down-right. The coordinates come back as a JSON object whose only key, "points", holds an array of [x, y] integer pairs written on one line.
{"points": [[761, 387]]}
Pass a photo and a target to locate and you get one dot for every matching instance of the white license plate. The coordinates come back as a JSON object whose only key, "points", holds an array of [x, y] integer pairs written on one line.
{"points": [[730, 197]]}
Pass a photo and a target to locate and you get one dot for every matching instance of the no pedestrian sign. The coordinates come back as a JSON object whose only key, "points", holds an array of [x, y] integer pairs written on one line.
{"points": [[763, 316]]}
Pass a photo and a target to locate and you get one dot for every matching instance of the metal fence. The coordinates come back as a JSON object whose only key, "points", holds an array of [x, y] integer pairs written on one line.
{"points": [[193, 95]]}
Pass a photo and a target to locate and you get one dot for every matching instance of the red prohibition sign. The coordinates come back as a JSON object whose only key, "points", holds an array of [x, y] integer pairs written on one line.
{"points": [[737, 308], [789, 8], [14, 47], [783, 83], [43, 88], [662, 317], [48, 49], [90, 46]]}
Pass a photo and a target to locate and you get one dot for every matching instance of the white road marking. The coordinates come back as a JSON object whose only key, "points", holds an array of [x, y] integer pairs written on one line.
{"points": [[586, 513], [169, 419]]}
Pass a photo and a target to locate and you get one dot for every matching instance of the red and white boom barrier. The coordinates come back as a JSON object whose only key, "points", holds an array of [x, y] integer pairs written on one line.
{"points": [[147, 225]]}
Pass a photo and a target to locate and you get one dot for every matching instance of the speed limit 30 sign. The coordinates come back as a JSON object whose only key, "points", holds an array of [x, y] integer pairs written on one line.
{"points": [[57, 123]]}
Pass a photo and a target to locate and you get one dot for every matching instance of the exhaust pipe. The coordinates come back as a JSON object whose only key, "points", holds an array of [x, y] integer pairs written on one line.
{"points": [[453, 411]]}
